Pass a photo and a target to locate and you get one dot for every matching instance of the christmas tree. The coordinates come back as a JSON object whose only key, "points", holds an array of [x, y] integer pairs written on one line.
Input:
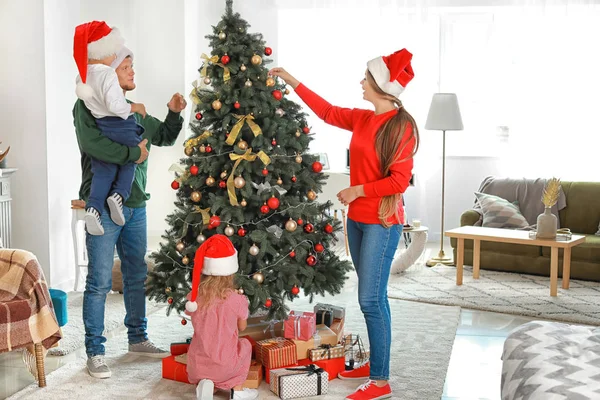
{"points": [[247, 174]]}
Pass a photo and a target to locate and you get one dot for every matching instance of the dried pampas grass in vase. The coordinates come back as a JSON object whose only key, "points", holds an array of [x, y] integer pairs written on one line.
{"points": [[547, 222]]}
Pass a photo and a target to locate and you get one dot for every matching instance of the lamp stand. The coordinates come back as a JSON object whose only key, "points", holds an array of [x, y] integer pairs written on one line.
{"points": [[441, 257]]}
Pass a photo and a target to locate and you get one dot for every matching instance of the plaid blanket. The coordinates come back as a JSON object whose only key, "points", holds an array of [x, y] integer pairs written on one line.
{"points": [[26, 312]]}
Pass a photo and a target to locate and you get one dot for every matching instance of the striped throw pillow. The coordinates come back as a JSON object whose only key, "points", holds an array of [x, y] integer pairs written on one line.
{"points": [[500, 213]]}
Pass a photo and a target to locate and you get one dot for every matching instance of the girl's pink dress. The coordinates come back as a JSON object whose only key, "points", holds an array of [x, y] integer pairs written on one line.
{"points": [[216, 352]]}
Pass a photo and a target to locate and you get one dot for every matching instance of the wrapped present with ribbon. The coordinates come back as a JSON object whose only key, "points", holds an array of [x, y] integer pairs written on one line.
{"points": [[255, 375], [337, 311], [276, 353], [333, 366], [324, 335], [180, 347], [260, 330], [326, 352], [292, 383], [174, 370], [300, 326]]}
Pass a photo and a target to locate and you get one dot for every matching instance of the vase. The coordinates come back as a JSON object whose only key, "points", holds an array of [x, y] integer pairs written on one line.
{"points": [[546, 225]]}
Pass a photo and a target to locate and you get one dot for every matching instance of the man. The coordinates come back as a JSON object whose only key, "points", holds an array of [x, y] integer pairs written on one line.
{"points": [[130, 239]]}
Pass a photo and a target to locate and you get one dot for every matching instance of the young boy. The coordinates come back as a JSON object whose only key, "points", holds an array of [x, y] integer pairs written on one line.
{"points": [[95, 51]]}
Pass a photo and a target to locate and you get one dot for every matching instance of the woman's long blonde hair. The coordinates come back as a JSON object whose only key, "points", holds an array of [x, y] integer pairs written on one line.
{"points": [[214, 288], [389, 145]]}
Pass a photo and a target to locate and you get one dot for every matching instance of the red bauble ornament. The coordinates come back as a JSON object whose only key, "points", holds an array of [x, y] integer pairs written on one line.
{"points": [[292, 254], [294, 179], [306, 129], [268, 303], [277, 94], [184, 321], [317, 167], [264, 209], [225, 59], [222, 184], [194, 170], [300, 221], [268, 51], [274, 142], [170, 300], [295, 290], [198, 116], [319, 248], [311, 260], [175, 185], [208, 148], [328, 228], [241, 232], [236, 105], [265, 172], [214, 221], [309, 228], [273, 203]]}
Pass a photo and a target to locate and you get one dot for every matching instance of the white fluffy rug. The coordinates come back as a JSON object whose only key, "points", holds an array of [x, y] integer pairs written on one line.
{"points": [[502, 292], [422, 343]]}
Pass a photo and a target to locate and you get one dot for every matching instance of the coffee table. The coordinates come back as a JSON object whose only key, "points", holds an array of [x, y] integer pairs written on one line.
{"points": [[479, 234]]}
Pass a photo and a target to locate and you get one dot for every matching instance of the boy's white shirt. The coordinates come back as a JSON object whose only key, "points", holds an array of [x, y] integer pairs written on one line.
{"points": [[109, 99]]}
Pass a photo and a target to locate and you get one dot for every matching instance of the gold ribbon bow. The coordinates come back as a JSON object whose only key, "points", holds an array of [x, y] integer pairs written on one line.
{"points": [[215, 60], [235, 131], [193, 142], [204, 212], [248, 156]]}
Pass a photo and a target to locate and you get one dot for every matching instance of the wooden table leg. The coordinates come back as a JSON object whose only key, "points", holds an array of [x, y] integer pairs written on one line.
{"points": [[566, 268], [476, 257], [39, 361], [553, 271], [460, 256]]}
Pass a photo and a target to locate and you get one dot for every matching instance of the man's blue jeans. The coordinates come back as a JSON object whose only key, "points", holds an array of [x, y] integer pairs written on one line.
{"points": [[131, 241], [372, 248]]}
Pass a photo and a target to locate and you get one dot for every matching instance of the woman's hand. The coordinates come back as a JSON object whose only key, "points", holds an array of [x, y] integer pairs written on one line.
{"points": [[283, 74], [350, 194]]}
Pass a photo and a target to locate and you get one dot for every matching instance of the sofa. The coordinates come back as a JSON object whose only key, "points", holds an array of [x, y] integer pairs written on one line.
{"points": [[581, 215]]}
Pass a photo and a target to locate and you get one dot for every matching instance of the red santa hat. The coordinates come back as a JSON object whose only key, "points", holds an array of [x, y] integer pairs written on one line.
{"points": [[93, 41], [216, 257], [392, 73]]}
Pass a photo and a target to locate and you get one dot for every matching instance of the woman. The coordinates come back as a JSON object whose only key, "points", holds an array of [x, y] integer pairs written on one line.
{"points": [[382, 148]]}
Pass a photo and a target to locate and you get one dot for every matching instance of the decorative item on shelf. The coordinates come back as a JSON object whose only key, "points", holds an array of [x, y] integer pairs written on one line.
{"points": [[444, 115], [547, 222], [3, 155]]}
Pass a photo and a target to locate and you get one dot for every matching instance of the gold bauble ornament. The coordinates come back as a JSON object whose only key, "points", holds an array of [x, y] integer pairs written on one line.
{"points": [[207, 81], [291, 225], [270, 82], [229, 231], [258, 277], [279, 181], [298, 158], [311, 195], [168, 290], [180, 246], [223, 175], [202, 149], [248, 83], [242, 144], [210, 181], [222, 35], [254, 250], [241, 291], [188, 151], [256, 59], [243, 203], [287, 91], [298, 133], [239, 182], [243, 67], [217, 104], [200, 238], [196, 196], [185, 260]]}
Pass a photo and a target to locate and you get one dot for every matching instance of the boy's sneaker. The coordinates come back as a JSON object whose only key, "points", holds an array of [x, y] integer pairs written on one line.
{"points": [[93, 225], [370, 391], [361, 373], [205, 390], [148, 349], [115, 205], [97, 367], [246, 394]]}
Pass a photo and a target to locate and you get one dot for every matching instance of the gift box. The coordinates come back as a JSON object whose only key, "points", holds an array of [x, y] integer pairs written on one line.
{"points": [[338, 312], [338, 328], [179, 348], [299, 326], [255, 376], [325, 317], [333, 366], [324, 335], [258, 329], [276, 353], [295, 382], [326, 352], [174, 370]]}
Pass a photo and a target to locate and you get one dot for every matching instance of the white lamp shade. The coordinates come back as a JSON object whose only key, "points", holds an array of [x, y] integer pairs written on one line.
{"points": [[444, 113]]}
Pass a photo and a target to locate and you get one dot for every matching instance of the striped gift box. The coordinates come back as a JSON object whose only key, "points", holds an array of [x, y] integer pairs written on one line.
{"points": [[276, 353], [326, 352]]}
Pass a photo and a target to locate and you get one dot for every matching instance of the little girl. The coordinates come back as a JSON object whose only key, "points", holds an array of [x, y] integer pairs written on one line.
{"points": [[217, 358]]}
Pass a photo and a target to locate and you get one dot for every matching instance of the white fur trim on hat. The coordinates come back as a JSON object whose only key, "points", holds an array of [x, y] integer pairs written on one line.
{"points": [[84, 91], [191, 306], [222, 266], [107, 46], [381, 74]]}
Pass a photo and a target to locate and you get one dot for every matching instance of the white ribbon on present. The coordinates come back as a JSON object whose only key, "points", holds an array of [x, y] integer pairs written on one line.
{"points": [[267, 186]]}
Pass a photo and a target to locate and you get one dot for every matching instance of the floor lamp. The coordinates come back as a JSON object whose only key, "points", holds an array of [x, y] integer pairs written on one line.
{"points": [[444, 115]]}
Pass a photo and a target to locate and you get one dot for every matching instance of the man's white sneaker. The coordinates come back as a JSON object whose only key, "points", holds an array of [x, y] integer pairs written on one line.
{"points": [[93, 225], [205, 390], [148, 349], [115, 205], [246, 394], [97, 367]]}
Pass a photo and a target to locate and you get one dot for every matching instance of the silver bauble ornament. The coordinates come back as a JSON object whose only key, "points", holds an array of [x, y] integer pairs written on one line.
{"points": [[254, 250], [222, 35], [280, 112], [239, 182], [248, 83], [243, 67], [258, 277], [291, 225], [229, 231], [298, 158], [180, 246], [243, 203], [207, 81], [241, 291], [200, 238]]}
